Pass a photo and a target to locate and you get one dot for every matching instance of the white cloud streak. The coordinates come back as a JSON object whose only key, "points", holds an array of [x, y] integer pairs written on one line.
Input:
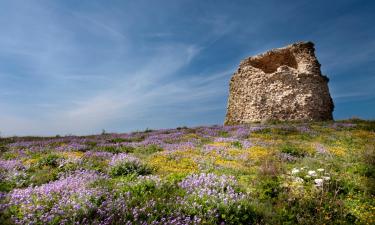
{"points": [[125, 93]]}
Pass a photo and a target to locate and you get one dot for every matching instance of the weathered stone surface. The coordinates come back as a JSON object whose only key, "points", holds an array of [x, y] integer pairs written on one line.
{"points": [[281, 84]]}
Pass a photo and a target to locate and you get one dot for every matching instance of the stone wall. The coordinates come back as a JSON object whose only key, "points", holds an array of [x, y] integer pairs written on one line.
{"points": [[281, 84]]}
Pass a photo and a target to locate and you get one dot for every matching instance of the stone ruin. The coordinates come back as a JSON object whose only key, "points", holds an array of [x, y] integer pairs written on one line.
{"points": [[281, 84]]}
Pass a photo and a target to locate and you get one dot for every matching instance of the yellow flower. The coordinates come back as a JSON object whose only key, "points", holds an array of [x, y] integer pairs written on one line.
{"points": [[176, 162], [30, 161], [258, 153], [229, 164], [73, 154], [338, 151], [220, 144]]}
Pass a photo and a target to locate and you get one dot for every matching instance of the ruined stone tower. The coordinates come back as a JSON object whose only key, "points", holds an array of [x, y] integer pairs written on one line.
{"points": [[281, 84]]}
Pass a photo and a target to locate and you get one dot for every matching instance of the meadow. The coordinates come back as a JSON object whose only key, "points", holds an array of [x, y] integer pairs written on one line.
{"points": [[274, 173]]}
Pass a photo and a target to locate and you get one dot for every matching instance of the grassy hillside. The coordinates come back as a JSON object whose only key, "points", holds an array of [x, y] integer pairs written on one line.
{"points": [[282, 173]]}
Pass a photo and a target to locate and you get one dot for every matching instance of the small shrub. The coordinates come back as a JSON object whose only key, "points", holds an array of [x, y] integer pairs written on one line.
{"points": [[51, 160], [123, 164], [148, 130], [91, 144], [127, 149], [236, 144], [6, 186], [126, 168], [292, 150], [281, 131], [95, 163], [269, 187], [43, 176], [241, 213], [270, 168], [368, 126], [117, 149], [148, 149], [3, 148], [119, 140], [223, 133], [131, 139]]}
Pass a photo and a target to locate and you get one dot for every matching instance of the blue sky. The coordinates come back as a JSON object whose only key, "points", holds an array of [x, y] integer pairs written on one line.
{"points": [[77, 67]]}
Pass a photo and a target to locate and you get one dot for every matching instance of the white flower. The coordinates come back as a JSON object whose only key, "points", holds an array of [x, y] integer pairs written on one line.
{"points": [[318, 182], [303, 168], [295, 170], [320, 170], [312, 173], [298, 180], [326, 178]]}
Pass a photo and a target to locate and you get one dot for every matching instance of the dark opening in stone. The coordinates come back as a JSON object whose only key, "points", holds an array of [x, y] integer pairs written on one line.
{"points": [[269, 62]]}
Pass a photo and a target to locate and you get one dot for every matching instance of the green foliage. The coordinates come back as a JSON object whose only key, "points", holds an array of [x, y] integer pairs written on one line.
{"points": [[3, 148], [42, 176], [279, 131], [223, 134], [148, 130], [236, 144], [95, 163], [137, 138], [272, 193], [6, 186], [119, 140], [50, 159], [147, 150], [292, 150], [129, 167], [116, 149], [8, 155], [269, 187], [91, 144], [316, 208], [244, 212]]}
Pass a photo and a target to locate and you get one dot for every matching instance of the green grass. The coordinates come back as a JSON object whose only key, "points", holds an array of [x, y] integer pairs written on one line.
{"points": [[277, 174]]}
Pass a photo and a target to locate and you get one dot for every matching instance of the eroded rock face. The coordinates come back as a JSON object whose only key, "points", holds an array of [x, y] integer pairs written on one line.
{"points": [[281, 84]]}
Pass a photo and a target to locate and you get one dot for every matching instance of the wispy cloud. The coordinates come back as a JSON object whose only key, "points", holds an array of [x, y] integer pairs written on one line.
{"points": [[121, 65]]}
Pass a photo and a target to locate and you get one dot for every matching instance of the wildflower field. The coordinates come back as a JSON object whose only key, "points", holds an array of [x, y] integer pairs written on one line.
{"points": [[277, 173]]}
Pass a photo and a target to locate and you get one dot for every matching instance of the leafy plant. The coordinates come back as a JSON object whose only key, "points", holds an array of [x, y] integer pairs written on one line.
{"points": [[127, 168], [292, 150], [148, 149], [236, 144], [51, 160]]}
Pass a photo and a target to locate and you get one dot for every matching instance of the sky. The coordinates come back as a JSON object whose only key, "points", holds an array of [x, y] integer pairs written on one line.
{"points": [[78, 67]]}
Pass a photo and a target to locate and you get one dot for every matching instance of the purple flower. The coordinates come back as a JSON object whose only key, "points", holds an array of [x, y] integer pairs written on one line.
{"points": [[122, 157], [219, 188], [11, 164], [99, 154], [179, 146], [320, 149], [63, 199], [72, 147]]}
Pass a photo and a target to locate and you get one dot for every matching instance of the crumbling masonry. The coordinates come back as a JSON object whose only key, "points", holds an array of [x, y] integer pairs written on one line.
{"points": [[281, 84]]}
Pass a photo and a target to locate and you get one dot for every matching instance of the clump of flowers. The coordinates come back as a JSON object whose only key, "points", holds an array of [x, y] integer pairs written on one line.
{"points": [[11, 164], [220, 188], [214, 199], [97, 154], [319, 177], [124, 164], [66, 200], [73, 146], [13, 171]]}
